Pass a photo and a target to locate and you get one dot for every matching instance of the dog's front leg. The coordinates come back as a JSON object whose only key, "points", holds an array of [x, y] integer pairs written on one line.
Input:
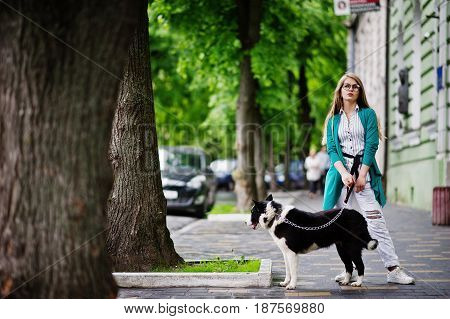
{"points": [[287, 279], [292, 260], [358, 281]]}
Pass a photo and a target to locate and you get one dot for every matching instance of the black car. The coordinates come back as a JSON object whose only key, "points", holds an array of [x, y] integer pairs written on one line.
{"points": [[189, 184], [296, 175]]}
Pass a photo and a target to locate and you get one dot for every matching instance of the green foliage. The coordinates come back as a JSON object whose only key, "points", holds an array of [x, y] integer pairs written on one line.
{"points": [[196, 75], [196, 54], [217, 265]]}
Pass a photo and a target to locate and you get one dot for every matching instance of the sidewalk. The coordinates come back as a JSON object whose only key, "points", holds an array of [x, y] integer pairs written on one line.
{"points": [[423, 249]]}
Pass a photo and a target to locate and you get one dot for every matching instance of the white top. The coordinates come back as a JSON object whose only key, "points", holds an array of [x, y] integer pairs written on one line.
{"points": [[324, 160], [351, 137], [313, 168]]}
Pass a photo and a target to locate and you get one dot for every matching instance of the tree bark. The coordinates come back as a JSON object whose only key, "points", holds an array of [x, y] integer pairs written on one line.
{"points": [[138, 238], [287, 160], [271, 165], [259, 157], [59, 77], [249, 19], [305, 121], [288, 140]]}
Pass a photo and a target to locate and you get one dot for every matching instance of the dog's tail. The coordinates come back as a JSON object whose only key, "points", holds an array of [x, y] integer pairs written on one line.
{"points": [[372, 244]]}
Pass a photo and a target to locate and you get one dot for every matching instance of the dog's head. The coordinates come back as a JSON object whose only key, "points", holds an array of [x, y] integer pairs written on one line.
{"points": [[263, 212]]}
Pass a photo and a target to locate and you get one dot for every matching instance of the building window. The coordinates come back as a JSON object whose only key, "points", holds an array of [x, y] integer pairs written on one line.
{"points": [[399, 119], [416, 67]]}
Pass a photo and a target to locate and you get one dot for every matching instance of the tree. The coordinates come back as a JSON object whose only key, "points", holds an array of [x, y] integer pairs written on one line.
{"points": [[61, 62], [304, 111], [201, 83], [247, 113], [138, 238], [195, 73]]}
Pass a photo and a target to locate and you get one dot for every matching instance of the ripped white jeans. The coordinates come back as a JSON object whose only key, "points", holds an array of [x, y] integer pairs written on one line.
{"points": [[371, 210]]}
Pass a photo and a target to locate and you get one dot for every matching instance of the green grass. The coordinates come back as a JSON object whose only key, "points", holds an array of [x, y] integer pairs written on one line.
{"points": [[216, 265], [224, 209]]}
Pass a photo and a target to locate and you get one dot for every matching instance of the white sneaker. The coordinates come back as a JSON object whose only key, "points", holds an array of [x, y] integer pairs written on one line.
{"points": [[398, 276], [341, 277]]}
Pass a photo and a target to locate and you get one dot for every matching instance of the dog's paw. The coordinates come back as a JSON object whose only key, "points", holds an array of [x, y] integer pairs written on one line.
{"points": [[284, 283], [290, 287], [344, 282], [356, 284]]}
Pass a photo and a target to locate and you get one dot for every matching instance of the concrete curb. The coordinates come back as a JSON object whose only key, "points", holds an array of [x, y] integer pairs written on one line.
{"points": [[262, 278], [229, 217]]}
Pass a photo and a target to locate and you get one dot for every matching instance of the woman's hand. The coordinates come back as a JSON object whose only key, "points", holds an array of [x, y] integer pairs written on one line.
{"points": [[360, 183], [347, 179]]}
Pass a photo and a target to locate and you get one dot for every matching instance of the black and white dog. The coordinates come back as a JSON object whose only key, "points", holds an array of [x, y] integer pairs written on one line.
{"points": [[349, 233]]}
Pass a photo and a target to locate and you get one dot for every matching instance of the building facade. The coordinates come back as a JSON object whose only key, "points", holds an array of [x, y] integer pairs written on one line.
{"points": [[367, 58], [418, 103]]}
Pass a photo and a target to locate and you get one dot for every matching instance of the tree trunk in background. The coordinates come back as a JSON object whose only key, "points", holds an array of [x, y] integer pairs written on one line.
{"points": [[138, 237], [249, 18], [271, 165], [259, 157], [287, 160], [288, 141], [305, 121], [56, 110]]}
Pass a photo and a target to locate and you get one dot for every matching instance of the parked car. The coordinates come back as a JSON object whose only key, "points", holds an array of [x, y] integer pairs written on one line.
{"points": [[189, 184], [222, 169], [296, 174]]}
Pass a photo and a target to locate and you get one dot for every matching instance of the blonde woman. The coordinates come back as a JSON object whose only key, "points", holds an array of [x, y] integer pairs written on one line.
{"points": [[352, 132]]}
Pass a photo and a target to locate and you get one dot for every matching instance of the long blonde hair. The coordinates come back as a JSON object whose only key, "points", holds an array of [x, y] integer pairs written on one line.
{"points": [[338, 103]]}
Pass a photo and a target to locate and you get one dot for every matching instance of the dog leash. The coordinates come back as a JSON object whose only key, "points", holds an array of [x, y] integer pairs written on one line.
{"points": [[353, 171], [349, 191]]}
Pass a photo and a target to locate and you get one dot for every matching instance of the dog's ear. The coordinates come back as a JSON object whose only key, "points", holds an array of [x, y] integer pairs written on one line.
{"points": [[269, 198], [254, 201]]}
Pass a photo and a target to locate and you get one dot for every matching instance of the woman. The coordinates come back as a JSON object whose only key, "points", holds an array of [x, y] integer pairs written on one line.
{"points": [[352, 133], [313, 172]]}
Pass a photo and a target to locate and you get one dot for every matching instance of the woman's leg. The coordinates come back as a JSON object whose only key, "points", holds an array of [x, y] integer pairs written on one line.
{"points": [[377, 228], [377, 225], [311, 186], [315, 186]]}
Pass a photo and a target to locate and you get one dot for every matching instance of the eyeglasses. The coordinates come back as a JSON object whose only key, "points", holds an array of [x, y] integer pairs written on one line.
{"points": [[347, 87]]}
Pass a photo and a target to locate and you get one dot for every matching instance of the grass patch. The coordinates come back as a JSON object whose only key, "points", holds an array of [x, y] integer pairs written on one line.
{"points": [[216, 265], [224, 209]]}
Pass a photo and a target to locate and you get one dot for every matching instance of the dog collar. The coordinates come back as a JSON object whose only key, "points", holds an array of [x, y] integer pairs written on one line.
{"points": [[276, 217]]}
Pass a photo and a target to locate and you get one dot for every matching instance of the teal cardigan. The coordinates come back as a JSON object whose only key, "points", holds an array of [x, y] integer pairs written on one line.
{"points": [[333, 183]]}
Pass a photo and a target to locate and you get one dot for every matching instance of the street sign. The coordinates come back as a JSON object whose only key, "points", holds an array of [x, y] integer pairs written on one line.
{"points": [[341, 7], [358, 6], [345, 7]]}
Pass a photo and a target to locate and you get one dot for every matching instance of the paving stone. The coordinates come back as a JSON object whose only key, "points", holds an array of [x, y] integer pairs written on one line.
{"points": [[420, 247]]}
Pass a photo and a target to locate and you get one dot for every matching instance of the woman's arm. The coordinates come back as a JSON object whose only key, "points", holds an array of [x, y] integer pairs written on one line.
{"points": [[372, 139], [331, 145], [364, 170], [370, 148], [340, 167], [347, 179]]}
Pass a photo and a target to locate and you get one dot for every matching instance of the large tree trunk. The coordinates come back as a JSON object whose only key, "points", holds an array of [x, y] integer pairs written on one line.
{"points": [[288, 136], [305, 121], [249, 18], [138, 238], [59, 76]]}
